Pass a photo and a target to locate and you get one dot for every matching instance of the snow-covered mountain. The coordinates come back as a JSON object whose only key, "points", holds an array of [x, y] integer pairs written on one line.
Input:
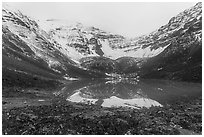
{"points": [[56, 48], [174, 51], [78, 41], [84, 41], [182, 59], [28, 51]]}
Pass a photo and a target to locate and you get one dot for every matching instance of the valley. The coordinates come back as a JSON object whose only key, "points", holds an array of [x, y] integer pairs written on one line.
{"points": [[68, 78]]}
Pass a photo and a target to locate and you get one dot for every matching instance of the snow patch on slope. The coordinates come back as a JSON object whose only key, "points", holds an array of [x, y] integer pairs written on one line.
{"points": [[139, 53]]}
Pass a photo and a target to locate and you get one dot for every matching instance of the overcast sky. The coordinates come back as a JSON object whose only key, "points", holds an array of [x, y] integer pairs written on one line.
{"points": [[128, 19]]}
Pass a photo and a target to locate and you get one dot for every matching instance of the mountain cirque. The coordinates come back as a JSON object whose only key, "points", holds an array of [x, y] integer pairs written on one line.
{"points": [[59, 49], [39, 58]]}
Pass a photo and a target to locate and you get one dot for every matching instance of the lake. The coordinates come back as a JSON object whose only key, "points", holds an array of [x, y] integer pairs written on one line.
{"points": [[54, 111], [128, 92]]}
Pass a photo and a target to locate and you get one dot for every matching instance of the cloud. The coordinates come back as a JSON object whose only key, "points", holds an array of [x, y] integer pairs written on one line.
{"points": [[128, 19]]}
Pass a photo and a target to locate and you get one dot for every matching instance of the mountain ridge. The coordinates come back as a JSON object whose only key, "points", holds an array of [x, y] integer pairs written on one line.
{"points": [[62, 48]]}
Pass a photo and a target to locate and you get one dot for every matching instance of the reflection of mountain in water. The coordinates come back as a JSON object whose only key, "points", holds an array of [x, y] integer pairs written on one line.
{"points": [[113, 101], [128, 93]]}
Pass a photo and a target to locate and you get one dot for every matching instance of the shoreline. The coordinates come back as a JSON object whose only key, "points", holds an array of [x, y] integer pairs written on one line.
{"points": [[65, 118]]}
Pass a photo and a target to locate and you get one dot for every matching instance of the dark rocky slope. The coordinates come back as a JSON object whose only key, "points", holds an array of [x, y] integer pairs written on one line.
{"points": [[182, 59], [28, 52], [180, 41]]}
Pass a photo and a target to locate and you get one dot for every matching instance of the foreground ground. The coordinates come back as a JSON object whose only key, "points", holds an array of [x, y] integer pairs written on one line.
{"points": [[62, 118]]}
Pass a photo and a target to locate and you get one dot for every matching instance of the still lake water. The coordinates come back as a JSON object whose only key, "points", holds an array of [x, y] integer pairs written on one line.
{"points": [[129, 93]]}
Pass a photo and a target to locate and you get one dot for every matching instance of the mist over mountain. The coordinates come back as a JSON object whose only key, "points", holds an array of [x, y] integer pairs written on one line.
{"points": [[63, 77], [58, 49]]}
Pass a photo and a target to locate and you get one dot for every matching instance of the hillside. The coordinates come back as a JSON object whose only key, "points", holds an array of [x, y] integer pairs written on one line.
{"points": [[59, 49]]}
